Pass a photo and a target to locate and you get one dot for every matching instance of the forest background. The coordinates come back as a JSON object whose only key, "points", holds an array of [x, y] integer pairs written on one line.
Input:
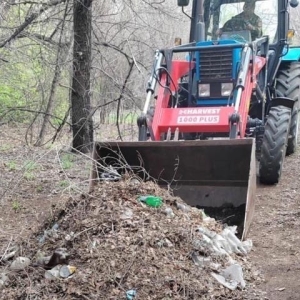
{"points": [[82, 63]]}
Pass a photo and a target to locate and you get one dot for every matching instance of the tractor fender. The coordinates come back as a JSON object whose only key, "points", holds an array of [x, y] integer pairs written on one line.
{"points": [[293, 54], [284, 101]]}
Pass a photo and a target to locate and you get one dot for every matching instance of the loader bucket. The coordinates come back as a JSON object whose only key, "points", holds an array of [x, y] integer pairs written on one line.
{"points": [[218, 176]]}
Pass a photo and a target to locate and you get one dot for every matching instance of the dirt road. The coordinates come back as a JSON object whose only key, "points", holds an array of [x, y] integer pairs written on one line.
{"points": [[275, 233]]}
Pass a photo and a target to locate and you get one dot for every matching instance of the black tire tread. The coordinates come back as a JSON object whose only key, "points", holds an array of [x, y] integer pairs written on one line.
{"points": [[274, 144], [288, 85]]}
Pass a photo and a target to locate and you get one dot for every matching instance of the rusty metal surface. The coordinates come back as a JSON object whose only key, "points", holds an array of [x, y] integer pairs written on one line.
{"points": [[205, 174]]}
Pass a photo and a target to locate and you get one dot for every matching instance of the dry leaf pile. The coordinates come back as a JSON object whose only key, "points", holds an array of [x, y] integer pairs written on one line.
{"points": [[119, 244]]}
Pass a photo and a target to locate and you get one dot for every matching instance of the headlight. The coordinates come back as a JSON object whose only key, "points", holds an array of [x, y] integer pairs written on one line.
{"points": [[226, 89], [204, 90]]}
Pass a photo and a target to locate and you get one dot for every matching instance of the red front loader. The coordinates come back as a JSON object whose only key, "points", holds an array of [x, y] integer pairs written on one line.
{"points": [[201, 116]]}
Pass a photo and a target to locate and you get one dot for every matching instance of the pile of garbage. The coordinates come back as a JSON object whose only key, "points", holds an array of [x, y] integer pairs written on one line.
{"points": [[128, 240]]}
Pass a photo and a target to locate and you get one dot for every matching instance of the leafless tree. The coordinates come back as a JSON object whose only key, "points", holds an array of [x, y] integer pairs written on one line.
{"points": [[82, 123], [36, 38], [31, 44], [129, 31]]}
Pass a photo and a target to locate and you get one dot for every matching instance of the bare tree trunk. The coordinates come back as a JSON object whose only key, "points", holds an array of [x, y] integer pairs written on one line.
{"points": [[82, 123]]}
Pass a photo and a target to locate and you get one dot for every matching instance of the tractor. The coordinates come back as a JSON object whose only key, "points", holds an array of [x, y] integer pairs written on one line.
{"points": [[217, 106]]}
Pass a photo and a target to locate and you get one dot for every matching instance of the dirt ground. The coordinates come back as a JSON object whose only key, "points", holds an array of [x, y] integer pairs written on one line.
{"points": [[33, 180], [275, 234]]}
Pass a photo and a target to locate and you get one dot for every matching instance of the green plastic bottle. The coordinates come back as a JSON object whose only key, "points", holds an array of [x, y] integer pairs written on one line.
{"points": [[151, 201]]}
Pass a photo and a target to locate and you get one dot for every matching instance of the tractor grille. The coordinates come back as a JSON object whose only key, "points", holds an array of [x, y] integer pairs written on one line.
{"points": [[215, 64]]}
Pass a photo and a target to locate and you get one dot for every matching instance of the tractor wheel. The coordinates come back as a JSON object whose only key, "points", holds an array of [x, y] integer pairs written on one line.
{"points": [[288, 85], [273, 149], [293, 135]]}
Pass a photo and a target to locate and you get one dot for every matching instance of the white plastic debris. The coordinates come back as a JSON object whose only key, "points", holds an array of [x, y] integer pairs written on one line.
{"points": [[66, 271], [235, 245], [206, 219], [41, 259], [9, 253], [134, 181], [225, 243], [70, 237], [130, 294], [127, 214], [111, 174], [182, 207], [51, 233], [20, 263], [53, 273], [248, 244], [200, 260], [169, 212], [59, 271], [231, 277], [168, 243], [3, 279]]}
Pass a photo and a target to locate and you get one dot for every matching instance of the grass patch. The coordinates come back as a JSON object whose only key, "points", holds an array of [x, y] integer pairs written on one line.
{"points": [[124, 118], [30, 165], [16, 206], [39, 188], [5, 147], [12, 165], [67, 161], [29, 176], [64, 183]]}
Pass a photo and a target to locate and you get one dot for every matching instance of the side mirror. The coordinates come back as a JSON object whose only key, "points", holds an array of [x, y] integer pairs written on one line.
{"points": [[293, 3], [186, 2]]}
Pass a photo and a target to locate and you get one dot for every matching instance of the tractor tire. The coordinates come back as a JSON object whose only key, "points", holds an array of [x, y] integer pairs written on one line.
{"points": [[288, 85], [293, 134], [273, 149]]}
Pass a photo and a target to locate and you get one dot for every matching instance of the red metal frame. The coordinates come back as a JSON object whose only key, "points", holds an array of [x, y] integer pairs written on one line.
{"points": [[200, 119]]}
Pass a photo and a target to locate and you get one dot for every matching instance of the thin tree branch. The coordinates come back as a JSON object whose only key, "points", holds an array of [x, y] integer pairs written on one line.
{"points": [[56, 76], [10, 109], [30, 19], [61, 125], [42, 38], [121, 96]]}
